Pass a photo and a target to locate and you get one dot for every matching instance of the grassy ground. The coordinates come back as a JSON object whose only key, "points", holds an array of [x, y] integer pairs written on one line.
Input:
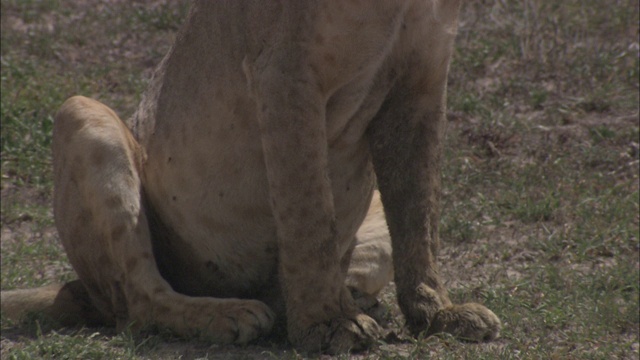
{"points": [[540, 218]]}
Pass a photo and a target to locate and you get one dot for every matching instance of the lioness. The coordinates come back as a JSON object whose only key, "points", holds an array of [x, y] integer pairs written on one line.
{"points": [[234, 196]]}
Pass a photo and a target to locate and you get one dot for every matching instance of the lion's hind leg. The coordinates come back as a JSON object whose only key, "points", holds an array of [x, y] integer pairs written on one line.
{"points": [[103, 226], [371, 266]]}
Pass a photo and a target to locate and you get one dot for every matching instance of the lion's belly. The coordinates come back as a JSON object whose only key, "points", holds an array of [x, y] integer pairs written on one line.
{"points": [[212, 193]]}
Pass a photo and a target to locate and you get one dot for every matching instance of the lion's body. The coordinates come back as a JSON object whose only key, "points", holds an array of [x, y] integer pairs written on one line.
{"points": [[249, 169], [211, 165]]}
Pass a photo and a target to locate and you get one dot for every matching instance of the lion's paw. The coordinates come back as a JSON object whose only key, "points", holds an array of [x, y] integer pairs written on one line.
{"points": [[230, 321], [339, 335], [369, 305], [471, 321], [427, 311], [420, 308]]}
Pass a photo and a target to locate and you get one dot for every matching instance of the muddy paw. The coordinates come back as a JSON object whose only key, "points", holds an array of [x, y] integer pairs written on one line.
{"points": [[471, 321], [339, 335]]}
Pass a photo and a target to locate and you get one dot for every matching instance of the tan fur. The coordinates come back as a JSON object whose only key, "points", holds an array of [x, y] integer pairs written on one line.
{"points": [[371, 266], [238, 197]]}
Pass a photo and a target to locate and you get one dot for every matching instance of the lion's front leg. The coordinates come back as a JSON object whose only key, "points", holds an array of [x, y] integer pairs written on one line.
{"points": [[409, 182], [406, 140], [321, 315]]}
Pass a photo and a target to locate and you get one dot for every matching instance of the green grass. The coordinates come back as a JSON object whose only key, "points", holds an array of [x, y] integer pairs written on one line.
{"points": [[78, 344], [540, 185]]}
